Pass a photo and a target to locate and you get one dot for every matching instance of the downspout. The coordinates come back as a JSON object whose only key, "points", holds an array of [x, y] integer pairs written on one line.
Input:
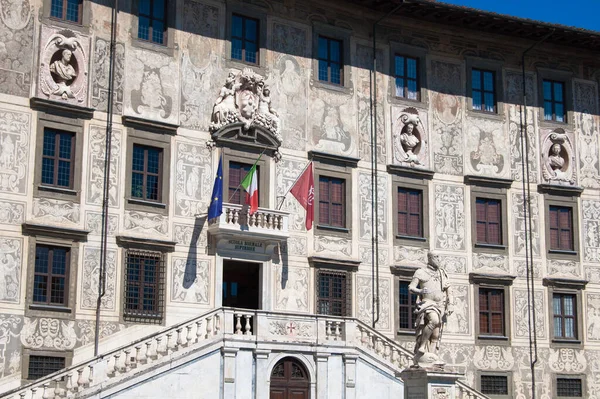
{"points": [[374, 195], [526, 190], [107, 159]]}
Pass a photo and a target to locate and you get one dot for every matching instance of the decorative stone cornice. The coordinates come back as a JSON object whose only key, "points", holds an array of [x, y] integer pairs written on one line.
{"points": [[333, 159], [150, 125], [410, 172], [490, 278], [558, 282], [565, 191], [146, 243], [36, 230], [485, 181], [61, 108], [404, 271], [317, 261]]}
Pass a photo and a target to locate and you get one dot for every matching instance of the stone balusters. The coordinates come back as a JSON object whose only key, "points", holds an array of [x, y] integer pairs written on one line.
{"points": [[333, 330]]}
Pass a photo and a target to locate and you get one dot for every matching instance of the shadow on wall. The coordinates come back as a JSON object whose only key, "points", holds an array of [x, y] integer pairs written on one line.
{"points": [[191, 263]]}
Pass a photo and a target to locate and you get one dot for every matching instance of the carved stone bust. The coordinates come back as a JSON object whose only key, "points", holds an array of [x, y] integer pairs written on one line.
{"points": [[408, 139], [557, 158]]}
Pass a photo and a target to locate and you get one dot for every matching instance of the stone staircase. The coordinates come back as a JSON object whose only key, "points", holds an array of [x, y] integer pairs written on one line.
{"points": [[215, 330]]}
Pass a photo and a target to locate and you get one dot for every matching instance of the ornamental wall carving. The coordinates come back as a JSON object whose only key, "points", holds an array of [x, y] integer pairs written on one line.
{"points": [[409, 138], [558, 158]]}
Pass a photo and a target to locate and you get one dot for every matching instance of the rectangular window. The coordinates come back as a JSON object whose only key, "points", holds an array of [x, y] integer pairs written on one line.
{"points": [[67, 10], [41, 366], [152, 20], [565, 316], [494, 385], [50, 281], [333, 293], [244, 39], [146, 173], [332, 202], [489, 227], [144, 286], [410, 212], [407, 81], [407, 303], [483, 91], [331, 60], [569, 387], [491, 311], [554, 101], [561, 228], [58, 158], [237, 172]]}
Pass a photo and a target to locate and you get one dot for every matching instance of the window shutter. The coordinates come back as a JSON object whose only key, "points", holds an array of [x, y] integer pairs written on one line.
{"points": [[337, 203], [324, 201]]}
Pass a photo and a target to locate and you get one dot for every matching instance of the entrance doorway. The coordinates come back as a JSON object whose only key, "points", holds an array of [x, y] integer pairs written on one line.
{"points": [[241, 282], [289, 380]]}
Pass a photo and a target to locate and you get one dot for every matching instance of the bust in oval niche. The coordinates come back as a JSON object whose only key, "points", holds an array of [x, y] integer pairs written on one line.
{"points": [[63, 71], [557, 158], [408, 140]]}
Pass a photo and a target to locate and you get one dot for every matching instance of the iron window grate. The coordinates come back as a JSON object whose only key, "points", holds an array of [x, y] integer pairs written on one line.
{"points": [[569, 387], [334, 293], [41, 366], [144, 287], [494, 385]]}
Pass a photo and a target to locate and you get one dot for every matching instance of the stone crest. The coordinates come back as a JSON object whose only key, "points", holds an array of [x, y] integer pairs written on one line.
{"points": [[409, 139], [63, 66], [558, 158], [245, 99]]}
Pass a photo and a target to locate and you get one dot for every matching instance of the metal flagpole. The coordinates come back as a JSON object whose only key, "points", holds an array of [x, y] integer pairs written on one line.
{"points": [[290, 189], [238, 187]]}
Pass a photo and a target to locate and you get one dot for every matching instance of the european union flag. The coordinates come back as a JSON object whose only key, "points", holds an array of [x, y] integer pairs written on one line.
{"points": [[216, 200]]}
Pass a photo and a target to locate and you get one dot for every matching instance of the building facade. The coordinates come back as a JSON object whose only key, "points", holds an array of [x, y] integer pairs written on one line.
{"points": [[267, 306]]}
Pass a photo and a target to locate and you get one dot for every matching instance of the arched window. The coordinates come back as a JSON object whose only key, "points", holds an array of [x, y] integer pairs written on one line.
{"points": [[289, 380]]}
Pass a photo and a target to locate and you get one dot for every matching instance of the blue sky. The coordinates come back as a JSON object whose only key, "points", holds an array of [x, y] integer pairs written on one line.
{"points": [[579, 13]]}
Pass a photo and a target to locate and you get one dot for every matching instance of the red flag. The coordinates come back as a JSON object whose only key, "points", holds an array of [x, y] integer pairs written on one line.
{"points": [[304, 191]]}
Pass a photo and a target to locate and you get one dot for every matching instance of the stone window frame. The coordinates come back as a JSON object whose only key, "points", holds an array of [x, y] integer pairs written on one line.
{"points": [[82, 27], [150, 139], [489, 188], [338, 33], [492, 66], [338, 167], [249, 156], [411, 178], [559, 76], [163, 247], [555, 378], [60, 237], [420, 54], [349, 267], [169, 46], [66, 354], [260, 15], [507, 374], [562, 199], [572, 287], [493, 281], [402, 274], [66, 124]]}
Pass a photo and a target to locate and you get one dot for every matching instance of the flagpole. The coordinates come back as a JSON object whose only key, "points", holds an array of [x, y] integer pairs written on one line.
{"points": [[241, 180], [292, 185]]}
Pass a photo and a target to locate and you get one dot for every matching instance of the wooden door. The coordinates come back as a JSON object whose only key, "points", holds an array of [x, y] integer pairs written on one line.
{"points": [[289, 380]]}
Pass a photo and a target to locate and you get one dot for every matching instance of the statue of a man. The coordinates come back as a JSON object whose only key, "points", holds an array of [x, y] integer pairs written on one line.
{"points": [[432, 286], [62, 68]]}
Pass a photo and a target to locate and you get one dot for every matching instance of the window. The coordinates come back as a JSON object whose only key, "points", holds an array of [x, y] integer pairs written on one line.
{"points": [[41, 366], [561, 228], [68, 10], [491, 311], [494, 384], [144, 286], [569, 387], [406, 73], [565, 315], [244, 39], [410, 212], [554, 101], [333, 293], [152, 20], [332, 202], [330, 60], [489, 227], [58, 158], [50, 286], [407, 303], [237, 172], [146, 173], [483, 91]]}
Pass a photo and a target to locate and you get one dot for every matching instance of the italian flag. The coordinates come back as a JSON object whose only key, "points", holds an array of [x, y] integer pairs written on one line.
{"points": [[250, 184]]}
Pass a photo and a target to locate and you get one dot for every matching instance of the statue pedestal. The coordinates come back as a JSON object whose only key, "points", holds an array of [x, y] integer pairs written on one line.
{"points": [[430, 383]]}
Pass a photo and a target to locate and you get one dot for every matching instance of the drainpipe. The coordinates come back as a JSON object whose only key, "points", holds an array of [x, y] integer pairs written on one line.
{"points": [[107, 159], [374, 195], [526, 190]]}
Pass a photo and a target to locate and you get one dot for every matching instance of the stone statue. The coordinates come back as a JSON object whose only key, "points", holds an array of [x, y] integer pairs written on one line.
{"points": [[63, 74], [555, 160], [225, 103], [405, 139], [557, 167], [434, 304]]}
